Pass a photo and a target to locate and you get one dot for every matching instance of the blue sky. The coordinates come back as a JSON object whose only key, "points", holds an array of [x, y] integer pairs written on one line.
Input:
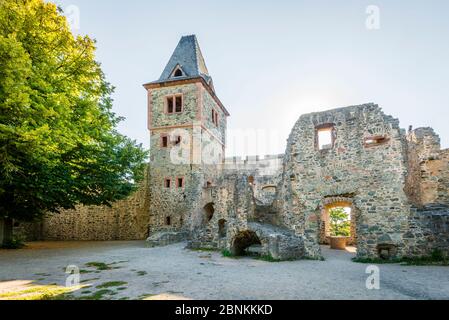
{"points": [[272, 61]]}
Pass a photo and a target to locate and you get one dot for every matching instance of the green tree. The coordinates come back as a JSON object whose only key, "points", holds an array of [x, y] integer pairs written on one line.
{"points": [[58, 141], [340, 225]]}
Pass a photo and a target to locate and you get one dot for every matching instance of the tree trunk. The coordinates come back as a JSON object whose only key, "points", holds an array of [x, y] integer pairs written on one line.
{"points": [[8, 230]]}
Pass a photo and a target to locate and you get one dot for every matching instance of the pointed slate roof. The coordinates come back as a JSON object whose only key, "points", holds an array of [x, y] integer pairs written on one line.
{"points": [[187, 57]]}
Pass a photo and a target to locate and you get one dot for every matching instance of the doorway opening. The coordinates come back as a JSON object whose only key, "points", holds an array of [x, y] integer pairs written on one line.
{"points": [[338, 226], [246, 243], [208, 211]]}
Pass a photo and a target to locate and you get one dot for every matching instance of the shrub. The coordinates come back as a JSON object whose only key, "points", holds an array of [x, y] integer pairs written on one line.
{"points": [[340, 226], [14, 243]]}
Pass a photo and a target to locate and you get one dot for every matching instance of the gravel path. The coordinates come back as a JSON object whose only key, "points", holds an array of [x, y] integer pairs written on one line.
{"points": [[173, 272]]}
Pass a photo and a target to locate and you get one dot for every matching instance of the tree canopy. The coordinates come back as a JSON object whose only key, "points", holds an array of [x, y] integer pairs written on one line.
{"points": [[340, 224], [58, 141]]}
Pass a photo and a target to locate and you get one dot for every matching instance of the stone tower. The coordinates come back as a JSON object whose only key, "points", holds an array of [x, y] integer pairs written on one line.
{"points": [[187, 124]]}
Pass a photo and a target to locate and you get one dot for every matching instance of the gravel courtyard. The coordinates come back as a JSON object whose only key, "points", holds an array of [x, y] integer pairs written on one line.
{"points": [[175, 273]]}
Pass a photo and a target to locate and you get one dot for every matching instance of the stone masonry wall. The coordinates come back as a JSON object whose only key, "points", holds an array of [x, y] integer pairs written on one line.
{"points": [[429, 230], [428, 179], [197, 159], [126, 220], [264, 174], [372, 177]]}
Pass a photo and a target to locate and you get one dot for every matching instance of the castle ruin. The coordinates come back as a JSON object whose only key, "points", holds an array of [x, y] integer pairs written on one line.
{"points": [[396, 182]]}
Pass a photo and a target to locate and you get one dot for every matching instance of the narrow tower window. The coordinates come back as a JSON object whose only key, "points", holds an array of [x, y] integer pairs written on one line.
{"points": [[167, 183], [178, 104], [180, 182], [164, 141], [215, 117], [170, 107]]}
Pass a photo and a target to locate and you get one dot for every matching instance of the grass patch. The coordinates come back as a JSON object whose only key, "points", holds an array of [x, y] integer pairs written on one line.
{"points": [[314, 258], [83, 271], [98, 265], [146, 296], [89, 280], [118, 262], [98, 295], [267, 258], [112, 284], [205, 249], [228, 254], [376, 261], [435, 259], [13, 244], [43, 274], [122, 288], [141, 273], [48, 292]]}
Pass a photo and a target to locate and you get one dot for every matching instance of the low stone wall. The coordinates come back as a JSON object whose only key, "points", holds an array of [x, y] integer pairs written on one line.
{"points": [[433, 223], [127, 219]]}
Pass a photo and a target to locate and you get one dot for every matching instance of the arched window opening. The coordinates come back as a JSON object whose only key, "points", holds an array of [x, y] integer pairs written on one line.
{"points": [[209, 211]]}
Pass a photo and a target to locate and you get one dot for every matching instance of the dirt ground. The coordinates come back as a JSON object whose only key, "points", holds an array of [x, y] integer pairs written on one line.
{"points": [[129, 270]]}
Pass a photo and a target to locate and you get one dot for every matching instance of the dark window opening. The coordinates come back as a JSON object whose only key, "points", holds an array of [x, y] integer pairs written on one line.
{"points": [[164, 141], [209, 211], [178, 104], [170, 105], [167, 183], [215, 117], [180, 182], [168, 221], [178, 73], [177, 140]]}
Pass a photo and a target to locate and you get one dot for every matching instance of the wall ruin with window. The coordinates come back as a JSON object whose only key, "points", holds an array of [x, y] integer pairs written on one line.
{"points": [[372, 177]]}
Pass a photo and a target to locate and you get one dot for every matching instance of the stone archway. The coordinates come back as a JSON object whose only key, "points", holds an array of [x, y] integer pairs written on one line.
{"points": [[208, 212], [244, 240], [324, 226]]}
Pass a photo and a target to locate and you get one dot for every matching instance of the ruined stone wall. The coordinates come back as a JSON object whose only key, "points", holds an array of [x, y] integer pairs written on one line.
{"points": [[127, 219], [264, 173], [371, 176], [429, 231], [428, 179], [233, 203]]}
